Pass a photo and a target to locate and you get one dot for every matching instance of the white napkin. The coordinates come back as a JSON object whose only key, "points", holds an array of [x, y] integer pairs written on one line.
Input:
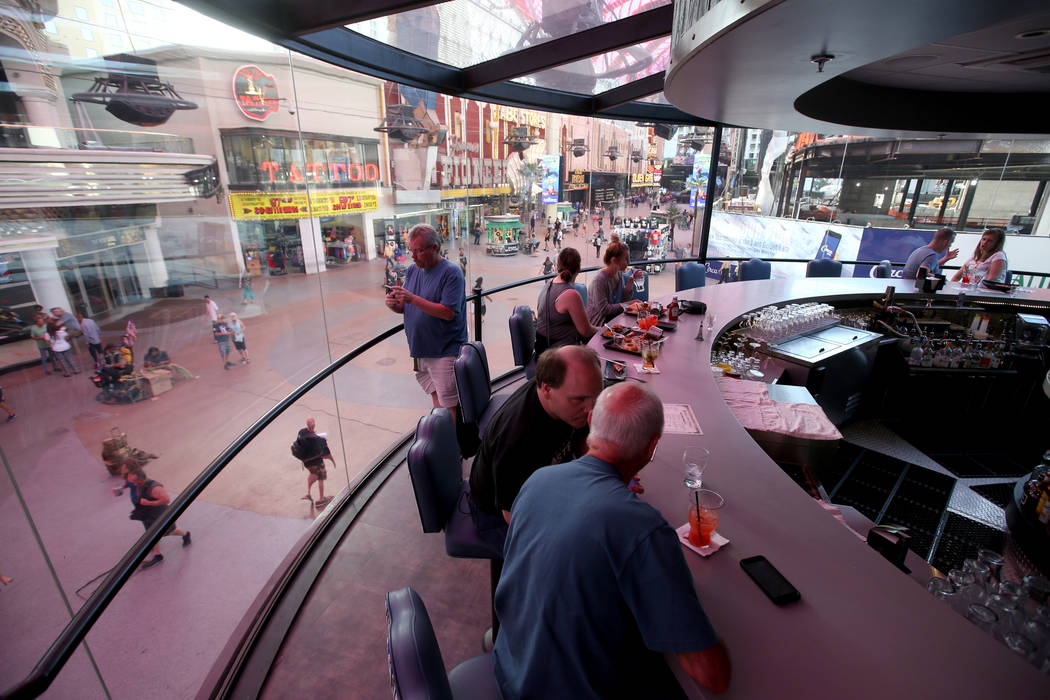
{"points": [[717, 542]]}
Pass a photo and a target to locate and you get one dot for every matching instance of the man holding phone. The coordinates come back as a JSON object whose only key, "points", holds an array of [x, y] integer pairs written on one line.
{"points": [[932, 255], [434, 304]]}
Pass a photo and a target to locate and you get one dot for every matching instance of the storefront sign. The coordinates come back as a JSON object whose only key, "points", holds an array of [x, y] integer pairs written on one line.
{"points": [[255, 92], [335, 172], [578, 180], [90, 242], [474, 192], [272, 206], [516, 115], [455, 172], [641, 179]]}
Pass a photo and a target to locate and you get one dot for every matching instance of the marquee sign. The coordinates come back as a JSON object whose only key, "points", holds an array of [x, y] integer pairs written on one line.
{"points": [[272, 206], [255, 92]]}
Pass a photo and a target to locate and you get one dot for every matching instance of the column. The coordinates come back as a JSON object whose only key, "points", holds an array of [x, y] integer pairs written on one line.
{"points": [[313, 246], [153, 273], [44, 278]]}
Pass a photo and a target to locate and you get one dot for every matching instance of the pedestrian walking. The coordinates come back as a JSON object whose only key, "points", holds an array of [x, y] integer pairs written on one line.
{"points": [[247, 293], [59, 338], [38, 332], [477, 234], [3, 405], [150, 501], [221, 332], [237, 328], [93, 337], [312, 449], [211, 308]]}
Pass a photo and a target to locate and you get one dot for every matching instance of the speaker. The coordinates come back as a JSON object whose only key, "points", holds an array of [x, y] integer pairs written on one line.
{"points": [[1032, 329], [664, 131]]}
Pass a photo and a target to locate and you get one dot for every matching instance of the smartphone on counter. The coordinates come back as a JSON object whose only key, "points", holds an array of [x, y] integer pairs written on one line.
{"points": [[829, 246], [777, 588]]}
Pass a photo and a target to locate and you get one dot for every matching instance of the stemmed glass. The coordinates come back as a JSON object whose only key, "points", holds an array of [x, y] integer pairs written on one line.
{"points": [[694, 462]]}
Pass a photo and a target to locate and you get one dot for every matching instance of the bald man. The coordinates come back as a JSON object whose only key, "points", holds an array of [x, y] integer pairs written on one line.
{"points": [[595, 589], [313, 450]]}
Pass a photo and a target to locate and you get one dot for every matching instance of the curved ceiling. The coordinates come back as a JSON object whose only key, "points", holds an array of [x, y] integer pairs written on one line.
{"points": [[899, 66]]}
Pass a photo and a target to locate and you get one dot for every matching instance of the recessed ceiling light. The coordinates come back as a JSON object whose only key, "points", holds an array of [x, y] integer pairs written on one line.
{"points": [[1032, 34]]}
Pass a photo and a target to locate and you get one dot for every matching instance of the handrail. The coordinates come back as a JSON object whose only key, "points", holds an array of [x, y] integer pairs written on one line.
{"points": [[51, 663]]}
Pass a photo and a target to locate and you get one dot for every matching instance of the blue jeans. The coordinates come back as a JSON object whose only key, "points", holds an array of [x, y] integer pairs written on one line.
{"points": [[45, 356]]}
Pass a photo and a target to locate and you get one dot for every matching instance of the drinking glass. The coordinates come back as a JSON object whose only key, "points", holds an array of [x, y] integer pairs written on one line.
{"points": [[711, 319], [940, 588], [993, 560], [1037, 588], [650, 351], [1009, 589], [981, 616], [639, 284], [694, 462], [704, 506]]}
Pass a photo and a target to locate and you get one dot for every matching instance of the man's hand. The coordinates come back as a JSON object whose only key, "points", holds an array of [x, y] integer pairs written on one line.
{"points": [[402, 296], [393, 303], [950, 255]]}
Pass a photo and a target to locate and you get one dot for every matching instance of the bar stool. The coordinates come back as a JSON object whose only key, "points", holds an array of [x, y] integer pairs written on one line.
{"points": [[755, 269], [436, 470], [582, 289], [824, 268], [414, 657], [523, 339], [473, 383], [689, 276]]}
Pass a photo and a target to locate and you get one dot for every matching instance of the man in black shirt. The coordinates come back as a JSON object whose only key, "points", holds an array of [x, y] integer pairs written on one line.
{"points": [[542, 423], [313, 450]]}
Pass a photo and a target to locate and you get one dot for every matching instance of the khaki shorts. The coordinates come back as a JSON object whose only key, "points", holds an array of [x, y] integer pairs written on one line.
{"points": [[435, 374]]}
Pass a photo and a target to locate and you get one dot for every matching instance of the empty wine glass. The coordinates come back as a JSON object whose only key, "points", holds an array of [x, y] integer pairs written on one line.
{"points": [[694, 463]]}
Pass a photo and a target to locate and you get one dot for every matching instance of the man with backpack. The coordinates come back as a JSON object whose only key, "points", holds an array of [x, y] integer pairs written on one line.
{"points": [[313, 450]]}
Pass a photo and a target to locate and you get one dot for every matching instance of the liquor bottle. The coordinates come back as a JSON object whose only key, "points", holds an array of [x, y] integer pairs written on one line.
{"points": [[915, 357], [673, 310], [927, 354]]}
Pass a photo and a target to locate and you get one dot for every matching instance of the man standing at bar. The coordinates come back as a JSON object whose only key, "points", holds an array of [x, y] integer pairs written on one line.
{"points": [[434, 304], [932, 255], [595, 588]]}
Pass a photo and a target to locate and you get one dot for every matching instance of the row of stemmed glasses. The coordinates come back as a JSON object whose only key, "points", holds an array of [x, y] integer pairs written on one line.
{"points": [[772, 322], [1015, 614]]}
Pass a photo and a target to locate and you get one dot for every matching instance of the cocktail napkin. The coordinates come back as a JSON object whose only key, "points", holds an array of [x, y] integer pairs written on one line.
{"points": [[717, 542], [642, 370]]}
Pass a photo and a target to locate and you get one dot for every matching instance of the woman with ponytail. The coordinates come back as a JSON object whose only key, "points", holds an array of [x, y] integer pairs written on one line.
{"points": [[561, 318]]}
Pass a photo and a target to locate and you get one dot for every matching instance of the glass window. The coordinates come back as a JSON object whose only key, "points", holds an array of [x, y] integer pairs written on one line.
{"points": [[50, 27], [111, 19], [136, 7], [81, 13], [86, 34]]}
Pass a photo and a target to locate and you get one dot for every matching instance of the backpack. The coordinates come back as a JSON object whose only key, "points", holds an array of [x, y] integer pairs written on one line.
{"points": [[298, 450]]}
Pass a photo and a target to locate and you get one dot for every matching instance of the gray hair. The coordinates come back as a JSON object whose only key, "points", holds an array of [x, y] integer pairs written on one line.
{"points": [[430, 236], [626, 417]]}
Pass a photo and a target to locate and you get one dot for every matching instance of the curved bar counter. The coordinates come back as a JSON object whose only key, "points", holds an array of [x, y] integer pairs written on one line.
{"points": [[863, 629]]}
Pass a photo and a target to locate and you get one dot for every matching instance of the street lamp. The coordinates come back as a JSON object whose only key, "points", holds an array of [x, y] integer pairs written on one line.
{"points": [[519, 140], [400, 123]]}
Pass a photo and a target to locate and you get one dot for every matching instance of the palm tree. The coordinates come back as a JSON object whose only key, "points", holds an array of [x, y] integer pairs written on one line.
{"points": [[674, 215]]}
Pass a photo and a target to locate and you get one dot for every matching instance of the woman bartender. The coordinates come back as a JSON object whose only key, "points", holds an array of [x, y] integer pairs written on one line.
{"points": [[608, 289]]}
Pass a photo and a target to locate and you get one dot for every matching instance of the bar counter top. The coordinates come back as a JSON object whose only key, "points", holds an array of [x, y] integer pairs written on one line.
{"points": [[863, 629]]}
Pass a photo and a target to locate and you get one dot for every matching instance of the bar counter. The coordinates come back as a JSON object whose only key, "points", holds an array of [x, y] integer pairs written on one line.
{"points": [[863, 628]]}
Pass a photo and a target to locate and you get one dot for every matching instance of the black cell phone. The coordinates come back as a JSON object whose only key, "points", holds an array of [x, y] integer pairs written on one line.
{"points": [[772, 582]]}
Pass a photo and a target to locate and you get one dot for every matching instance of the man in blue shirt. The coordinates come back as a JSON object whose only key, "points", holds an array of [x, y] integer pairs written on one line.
{"points": [[932, 255], [594, 587], [434, 304]]}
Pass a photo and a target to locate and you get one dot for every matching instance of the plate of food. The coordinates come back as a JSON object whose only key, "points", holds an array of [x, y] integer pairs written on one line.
{"points": [[637, 308], [612, 330], [629, 344], [615, 371]]}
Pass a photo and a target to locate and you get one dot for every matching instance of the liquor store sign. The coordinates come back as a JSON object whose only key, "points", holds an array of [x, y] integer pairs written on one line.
{"points": [[272, 206]]}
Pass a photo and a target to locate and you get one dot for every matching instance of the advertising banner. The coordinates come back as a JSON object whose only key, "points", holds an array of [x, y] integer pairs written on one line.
{"points": [[271, 206], [550, 179], [769, 238], [578, 180], [893, 244], [697, 181], [641, 179]]}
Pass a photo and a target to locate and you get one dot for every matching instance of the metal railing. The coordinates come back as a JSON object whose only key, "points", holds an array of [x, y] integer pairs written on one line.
{"points": [[50, 665]]}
